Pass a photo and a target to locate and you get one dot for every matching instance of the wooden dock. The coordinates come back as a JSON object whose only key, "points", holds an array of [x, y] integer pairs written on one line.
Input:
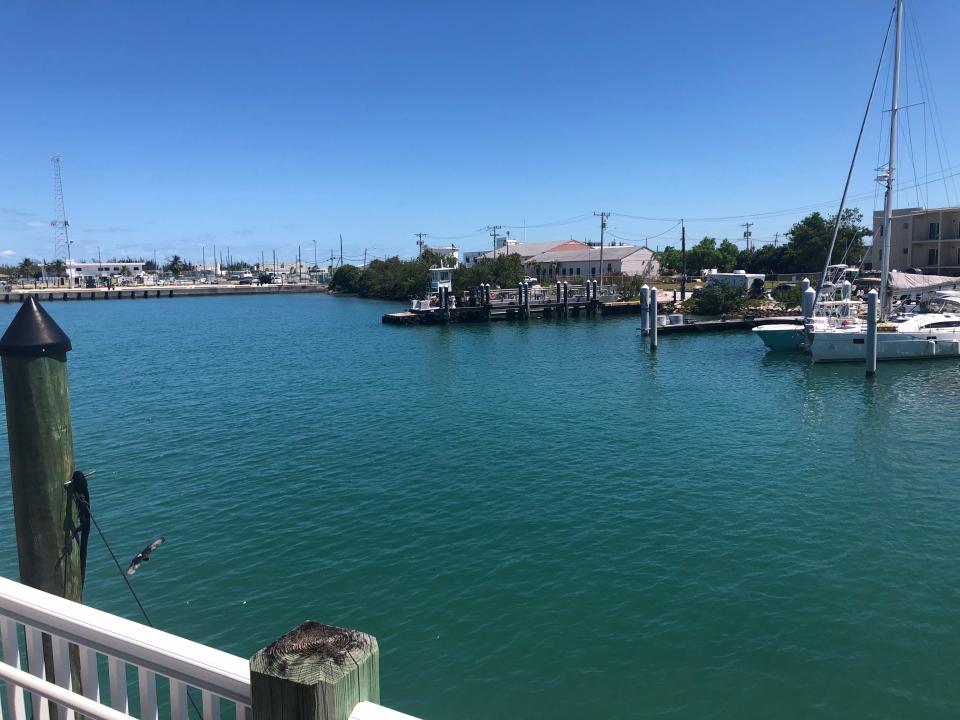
{"points": [[494, 311]]}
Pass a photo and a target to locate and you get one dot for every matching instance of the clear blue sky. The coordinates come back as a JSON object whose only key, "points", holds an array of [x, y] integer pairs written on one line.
{"points": [[261, 126]]}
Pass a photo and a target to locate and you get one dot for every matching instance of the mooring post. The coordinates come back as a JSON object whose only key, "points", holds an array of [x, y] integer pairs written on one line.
{"points": [[644, 310], [526, 299], [558, 292], [870, 347], [33, 352], [315, 672], [566, 297], [653, 318]]}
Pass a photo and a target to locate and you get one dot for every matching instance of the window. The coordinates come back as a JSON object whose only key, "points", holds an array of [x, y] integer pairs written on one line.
{"points": [[578, 271], [934, 231], [932, 256], [593, 271], [609, 267]]}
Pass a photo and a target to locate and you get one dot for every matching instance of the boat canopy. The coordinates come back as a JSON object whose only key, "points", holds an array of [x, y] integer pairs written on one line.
{"points": [[917, 283]]}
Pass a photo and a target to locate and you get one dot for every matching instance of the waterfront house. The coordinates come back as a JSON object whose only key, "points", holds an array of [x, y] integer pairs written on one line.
{"points": [[927, 239]]}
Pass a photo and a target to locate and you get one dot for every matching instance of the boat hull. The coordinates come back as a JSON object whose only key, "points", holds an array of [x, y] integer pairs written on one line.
{"points": [[782, 337], [851, 346]]}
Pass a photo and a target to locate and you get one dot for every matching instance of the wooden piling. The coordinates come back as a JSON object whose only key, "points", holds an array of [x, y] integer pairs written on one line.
{"points": [[33, 352], [653, 318], [315, 672], [870, 348]]}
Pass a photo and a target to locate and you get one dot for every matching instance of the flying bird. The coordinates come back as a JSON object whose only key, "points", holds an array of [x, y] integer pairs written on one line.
{"points": [[144, 555]]}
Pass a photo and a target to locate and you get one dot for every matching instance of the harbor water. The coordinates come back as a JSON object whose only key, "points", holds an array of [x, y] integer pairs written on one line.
{"points": [[535, 520]]}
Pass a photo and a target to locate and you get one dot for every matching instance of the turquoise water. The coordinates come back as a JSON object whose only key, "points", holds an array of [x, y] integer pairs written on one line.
{"points": [[540, 520]]}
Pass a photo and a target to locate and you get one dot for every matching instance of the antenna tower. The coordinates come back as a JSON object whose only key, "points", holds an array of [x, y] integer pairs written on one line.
{"points": [[61, 240]]}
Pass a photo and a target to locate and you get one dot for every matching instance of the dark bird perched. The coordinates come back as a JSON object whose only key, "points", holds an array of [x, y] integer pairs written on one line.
{"points": [[144, 555]]}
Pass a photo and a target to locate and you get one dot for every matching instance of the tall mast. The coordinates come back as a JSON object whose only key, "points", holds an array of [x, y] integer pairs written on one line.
{"points": [[891, 166]]}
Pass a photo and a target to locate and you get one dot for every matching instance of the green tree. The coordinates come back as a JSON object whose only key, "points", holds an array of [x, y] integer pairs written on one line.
{"points": [[717, 299], [670, 259], [501, 272], [345, 279], [56, 268], [810, 238], [27, 268], [176, 266]]}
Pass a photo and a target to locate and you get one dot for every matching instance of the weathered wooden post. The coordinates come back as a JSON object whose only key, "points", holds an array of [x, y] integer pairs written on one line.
{"points": [[870, 347], [653, 318], [315, 672], [566, 298], [33, 352], [644, 310]]}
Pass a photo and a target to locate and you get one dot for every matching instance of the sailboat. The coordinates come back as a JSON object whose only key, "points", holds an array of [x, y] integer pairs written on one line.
{"points": [[900, 336]]}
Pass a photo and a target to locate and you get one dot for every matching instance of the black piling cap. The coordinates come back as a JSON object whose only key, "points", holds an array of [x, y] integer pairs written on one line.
{"points": [[33, 333]]}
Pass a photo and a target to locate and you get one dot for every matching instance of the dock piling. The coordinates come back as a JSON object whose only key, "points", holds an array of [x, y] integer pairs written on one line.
{"points": [[315, 672], [870, 347], [645, 310], [33, 353], [653, 318]]}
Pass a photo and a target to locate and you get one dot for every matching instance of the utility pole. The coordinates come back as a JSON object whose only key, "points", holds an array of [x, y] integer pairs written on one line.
{"points": [[341, 251], [683, 260], [603, 226], [420, 242], [776, 237], [747, 235], [315, 268], [60, 223], [203, 252], [274, 262], [493, 231]]}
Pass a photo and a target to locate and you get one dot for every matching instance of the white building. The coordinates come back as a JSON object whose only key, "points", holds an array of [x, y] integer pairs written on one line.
{"points": [[446, 251], [83, 271], [584, 262]]}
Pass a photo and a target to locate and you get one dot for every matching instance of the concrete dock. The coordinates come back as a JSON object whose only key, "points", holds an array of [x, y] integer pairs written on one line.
{"points": [[133, 292]]}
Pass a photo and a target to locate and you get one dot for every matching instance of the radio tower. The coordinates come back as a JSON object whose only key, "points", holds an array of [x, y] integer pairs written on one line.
{"points": [[61, 241]]}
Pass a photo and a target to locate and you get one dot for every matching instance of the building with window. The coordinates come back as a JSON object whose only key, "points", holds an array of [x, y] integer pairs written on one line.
{"points": [[928, 240], [83, 271], [446, 251], [585, 263]]}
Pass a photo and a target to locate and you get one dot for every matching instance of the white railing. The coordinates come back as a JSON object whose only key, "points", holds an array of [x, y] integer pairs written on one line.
{"points": [[108, 647], [123, 643]]}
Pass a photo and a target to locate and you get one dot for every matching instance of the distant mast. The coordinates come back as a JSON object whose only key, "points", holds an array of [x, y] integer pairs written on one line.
{"points": [[891, 167]]}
